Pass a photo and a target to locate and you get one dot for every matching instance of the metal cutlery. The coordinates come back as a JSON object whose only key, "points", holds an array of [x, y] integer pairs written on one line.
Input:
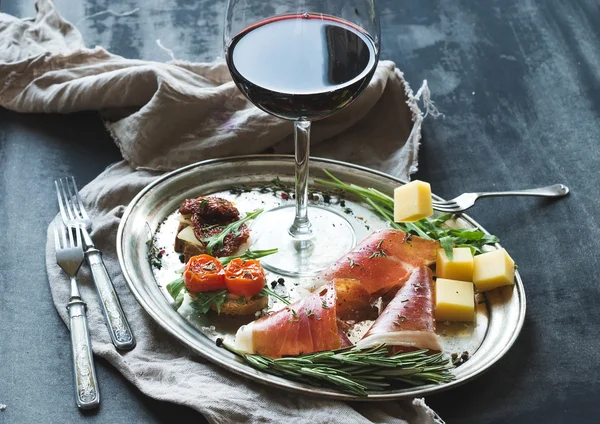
{"points": [[69, 256], [466, 200], [74, 215]]}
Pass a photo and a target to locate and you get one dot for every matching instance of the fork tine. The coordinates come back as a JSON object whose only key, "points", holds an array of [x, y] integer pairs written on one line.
{"points": [[72, 201], [447, 203], [70, 231], [78, 197], [78, 234], [56, 237], [445, 208], [63, 213], [67, 199], [64, 236]]}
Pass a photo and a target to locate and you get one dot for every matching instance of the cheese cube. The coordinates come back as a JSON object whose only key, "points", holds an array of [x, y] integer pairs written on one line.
{"points": [[459, 268], [493, 269], [412, 202], [454, 300]]}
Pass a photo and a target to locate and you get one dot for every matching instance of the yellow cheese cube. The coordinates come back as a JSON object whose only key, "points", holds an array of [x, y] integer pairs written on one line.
{"points": [[493, 269], [412, 201], [459, 268], [454, 300]]}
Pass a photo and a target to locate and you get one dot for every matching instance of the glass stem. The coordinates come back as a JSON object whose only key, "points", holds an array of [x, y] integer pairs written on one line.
{"points": [[301, 228]]}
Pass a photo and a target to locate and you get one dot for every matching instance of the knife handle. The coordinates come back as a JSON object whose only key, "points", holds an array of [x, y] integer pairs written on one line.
{"points": [[86, 384], [116, 321]]}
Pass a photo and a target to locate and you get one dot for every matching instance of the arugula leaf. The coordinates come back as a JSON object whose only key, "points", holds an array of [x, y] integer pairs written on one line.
{"points": [[248, 254], [448, 245], [267, 291], [175, 289], [203, 301], [217, 239]]}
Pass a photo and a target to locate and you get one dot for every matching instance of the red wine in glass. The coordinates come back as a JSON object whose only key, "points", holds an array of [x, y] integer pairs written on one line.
{"points": [[302, 66]]}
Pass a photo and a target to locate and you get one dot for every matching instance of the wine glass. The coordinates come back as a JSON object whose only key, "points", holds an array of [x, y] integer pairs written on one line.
{"points": [[302, 60]]}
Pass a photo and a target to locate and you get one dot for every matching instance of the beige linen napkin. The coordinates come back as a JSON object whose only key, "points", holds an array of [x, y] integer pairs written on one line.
{"points": [[165, 115]]}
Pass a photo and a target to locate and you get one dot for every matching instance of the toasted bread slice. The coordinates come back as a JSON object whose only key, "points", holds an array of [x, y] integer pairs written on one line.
{"points": [[233, 306]]}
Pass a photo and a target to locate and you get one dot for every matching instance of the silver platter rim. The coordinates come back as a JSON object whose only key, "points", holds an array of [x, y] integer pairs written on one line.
{"points": [[234, 364]]}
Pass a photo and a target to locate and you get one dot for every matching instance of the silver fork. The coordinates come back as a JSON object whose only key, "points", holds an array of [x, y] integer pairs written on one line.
{"points": [[69, 255], [466, 200], [74, 215]]}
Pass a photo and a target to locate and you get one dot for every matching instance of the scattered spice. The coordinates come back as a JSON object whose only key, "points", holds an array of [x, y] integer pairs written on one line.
{"points": [[281, 281], [154, 254], [352, 263], [324, 304]]}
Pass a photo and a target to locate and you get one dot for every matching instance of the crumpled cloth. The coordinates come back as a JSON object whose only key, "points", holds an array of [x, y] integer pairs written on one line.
{"points": [[166, 115]]}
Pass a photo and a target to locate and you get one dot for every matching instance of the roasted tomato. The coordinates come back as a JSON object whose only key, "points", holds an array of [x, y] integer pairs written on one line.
{"points": [[244, 278], [204, 273]]}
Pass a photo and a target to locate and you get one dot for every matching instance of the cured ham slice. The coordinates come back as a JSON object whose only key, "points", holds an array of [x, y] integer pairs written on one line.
{"points": [[384, 260], [407, 321], [306, 326]]}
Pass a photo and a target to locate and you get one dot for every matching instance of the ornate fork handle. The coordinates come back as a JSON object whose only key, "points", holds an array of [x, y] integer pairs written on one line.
{"points": [[86, 384], [116, 321], [555, 190]]}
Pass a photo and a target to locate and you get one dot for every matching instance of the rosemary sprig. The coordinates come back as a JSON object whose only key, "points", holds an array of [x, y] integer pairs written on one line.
{"points": [[427, 228], [353, 370], [216, 241]]}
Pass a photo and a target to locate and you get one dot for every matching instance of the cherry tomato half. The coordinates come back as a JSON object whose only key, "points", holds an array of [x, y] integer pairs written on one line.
{"points": [[204, 273], [244, 278]]}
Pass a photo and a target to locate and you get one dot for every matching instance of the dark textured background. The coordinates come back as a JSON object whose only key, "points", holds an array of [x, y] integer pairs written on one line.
{"points": [[519, 84]]}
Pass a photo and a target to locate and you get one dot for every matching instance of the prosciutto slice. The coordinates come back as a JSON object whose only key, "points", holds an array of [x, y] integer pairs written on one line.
{"points": [[384, 260], [407, 321], [306, 326]]}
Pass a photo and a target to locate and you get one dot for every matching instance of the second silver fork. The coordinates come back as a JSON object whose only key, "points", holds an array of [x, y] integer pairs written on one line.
{"points": [[69, 256], [74, 215]]}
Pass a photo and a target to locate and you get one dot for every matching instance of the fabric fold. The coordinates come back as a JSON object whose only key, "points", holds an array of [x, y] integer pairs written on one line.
{"points": [[167, 115]]}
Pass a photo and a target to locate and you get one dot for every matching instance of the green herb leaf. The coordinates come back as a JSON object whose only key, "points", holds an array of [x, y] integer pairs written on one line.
{"points": [[248, 254], [176, 290], [203, 301], [447, 244], [216, 241], [267, 291]]}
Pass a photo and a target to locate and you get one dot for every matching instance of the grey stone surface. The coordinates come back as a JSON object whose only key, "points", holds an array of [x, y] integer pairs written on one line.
{"points": [[519, 83]]}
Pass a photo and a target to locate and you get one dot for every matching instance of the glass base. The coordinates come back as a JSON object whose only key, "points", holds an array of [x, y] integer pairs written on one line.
{"points": [[332, 237]]}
